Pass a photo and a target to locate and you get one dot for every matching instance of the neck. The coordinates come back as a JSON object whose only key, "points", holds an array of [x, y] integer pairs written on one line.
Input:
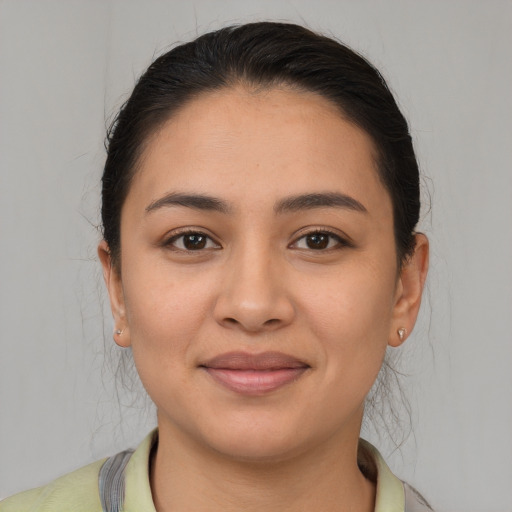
{"points": [[186, 477]]}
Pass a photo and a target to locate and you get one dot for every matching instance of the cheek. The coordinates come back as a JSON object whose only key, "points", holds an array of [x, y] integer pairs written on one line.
{"points": [[351, 314], [358, 298], [165, 314], [165, 311]]}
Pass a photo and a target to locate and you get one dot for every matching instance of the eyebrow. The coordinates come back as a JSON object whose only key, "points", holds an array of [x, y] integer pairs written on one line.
{"points": [[322, 200], [195, 201], [286, 205]]}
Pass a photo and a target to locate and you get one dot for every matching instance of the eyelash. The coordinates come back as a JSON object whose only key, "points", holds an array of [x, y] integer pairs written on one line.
{"points": [[340, 241], [171, 241]]}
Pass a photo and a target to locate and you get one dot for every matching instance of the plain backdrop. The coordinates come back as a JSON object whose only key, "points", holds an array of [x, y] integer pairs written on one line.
{"points": [[65, 66]]}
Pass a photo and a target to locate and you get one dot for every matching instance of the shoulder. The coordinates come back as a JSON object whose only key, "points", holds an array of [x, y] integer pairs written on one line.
{"points": [[79, 491], [74, 492], [392, 494]]}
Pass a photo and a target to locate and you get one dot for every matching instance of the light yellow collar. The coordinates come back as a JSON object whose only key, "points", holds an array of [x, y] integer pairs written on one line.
{"points": [[389, 498], [390, 490]]}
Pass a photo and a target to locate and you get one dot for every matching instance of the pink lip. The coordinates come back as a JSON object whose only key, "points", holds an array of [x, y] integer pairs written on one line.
{"points": [[254, 374]]}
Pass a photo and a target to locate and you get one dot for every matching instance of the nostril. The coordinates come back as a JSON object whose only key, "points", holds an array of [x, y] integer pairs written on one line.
{"points": [[267, 324]]}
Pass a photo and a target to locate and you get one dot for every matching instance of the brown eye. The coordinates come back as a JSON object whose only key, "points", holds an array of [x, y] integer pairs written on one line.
{"points": [[318, 241], [192, 241]]}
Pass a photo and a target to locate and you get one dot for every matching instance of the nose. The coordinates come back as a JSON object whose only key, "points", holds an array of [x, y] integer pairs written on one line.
{"points": [[254, 296]]}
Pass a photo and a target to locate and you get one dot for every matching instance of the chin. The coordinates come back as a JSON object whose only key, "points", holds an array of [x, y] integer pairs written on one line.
{"points": [[255, 440], [259, 449]]}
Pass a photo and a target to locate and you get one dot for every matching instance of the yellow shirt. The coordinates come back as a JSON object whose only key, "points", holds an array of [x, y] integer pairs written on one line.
{"points": [[78, 491]]}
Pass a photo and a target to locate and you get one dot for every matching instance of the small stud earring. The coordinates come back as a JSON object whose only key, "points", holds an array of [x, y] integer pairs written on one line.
{"points": [[118, 332], [401, 333]]}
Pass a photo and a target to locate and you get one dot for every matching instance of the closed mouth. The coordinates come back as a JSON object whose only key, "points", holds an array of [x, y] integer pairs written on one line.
{"points": [[254, 374]]}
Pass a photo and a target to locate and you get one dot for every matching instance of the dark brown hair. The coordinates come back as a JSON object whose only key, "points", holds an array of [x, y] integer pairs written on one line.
{"points": [[264, 55]]}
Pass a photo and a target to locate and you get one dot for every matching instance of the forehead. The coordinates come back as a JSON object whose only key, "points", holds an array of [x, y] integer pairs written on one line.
{"points": [[250, 146]]}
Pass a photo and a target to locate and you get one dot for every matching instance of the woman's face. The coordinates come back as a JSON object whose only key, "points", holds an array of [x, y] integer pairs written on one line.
{"points": [[258, 284]]}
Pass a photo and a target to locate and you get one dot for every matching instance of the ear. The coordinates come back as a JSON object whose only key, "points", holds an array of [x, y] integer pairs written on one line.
{"points": [[114, 285], [409, 291]]}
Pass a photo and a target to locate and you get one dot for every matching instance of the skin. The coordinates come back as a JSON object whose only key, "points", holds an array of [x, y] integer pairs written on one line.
{"points": [[256, 286]]}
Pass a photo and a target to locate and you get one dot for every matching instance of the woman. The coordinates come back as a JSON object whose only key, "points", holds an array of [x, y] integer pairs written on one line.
{"points": [[260, 198]]}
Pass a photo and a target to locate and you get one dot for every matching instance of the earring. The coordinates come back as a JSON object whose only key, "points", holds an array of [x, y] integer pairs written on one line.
{"points": [[118, 332], [402, 333]]}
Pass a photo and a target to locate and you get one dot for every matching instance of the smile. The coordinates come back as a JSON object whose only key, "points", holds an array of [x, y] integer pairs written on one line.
{"points": [[250, 374]]}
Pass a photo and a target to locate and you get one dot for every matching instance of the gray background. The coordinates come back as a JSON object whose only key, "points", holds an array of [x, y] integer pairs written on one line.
{"points": [[67, 65]]}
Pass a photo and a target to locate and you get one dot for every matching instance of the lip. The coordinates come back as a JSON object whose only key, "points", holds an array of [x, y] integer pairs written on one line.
{"points": [[254, 374]]}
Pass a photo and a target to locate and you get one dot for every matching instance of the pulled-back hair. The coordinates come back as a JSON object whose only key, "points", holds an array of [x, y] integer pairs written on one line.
{"points": [[264, 55]]}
